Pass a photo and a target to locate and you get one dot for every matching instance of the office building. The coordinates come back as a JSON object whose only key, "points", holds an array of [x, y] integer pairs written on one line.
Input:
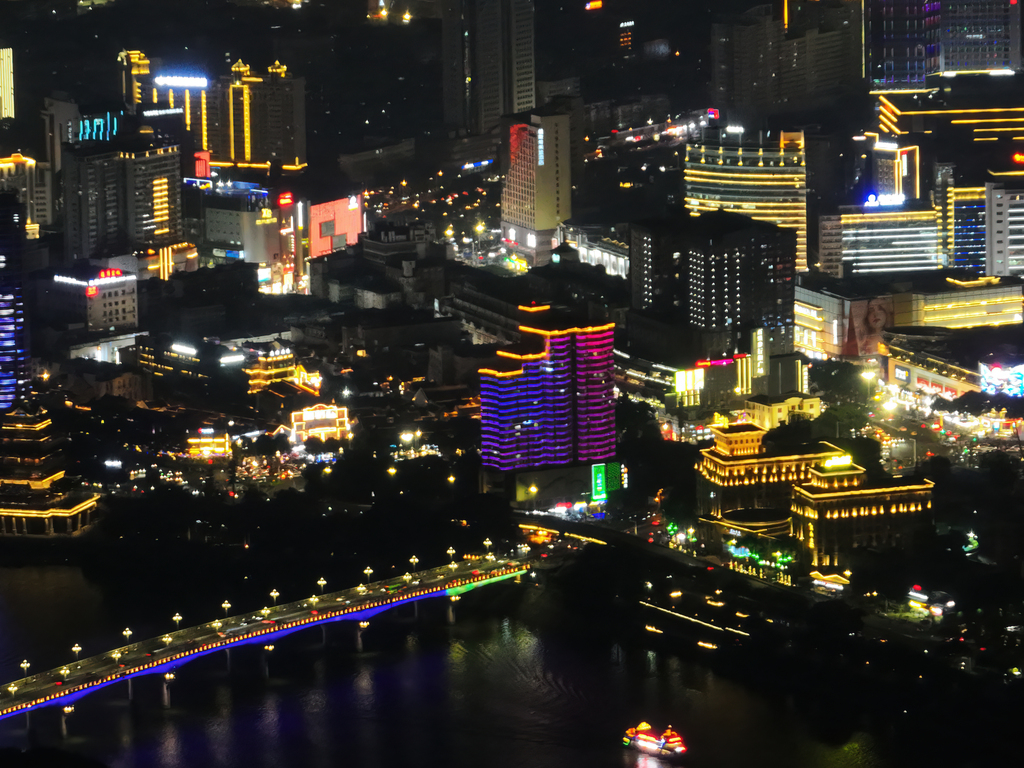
{"points": [[32, 461], [763, 177], [551, 401], [1004, 230], [101, 299], [719, 271], [894, 237], [120, 198], [838, 510], [907, 40], [979, 36], [13, 352], [488, 59], [6, 82], [537, 193]]}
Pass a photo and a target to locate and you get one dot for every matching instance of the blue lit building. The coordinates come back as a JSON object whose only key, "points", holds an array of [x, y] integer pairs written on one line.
{"points": [[12, 311]]}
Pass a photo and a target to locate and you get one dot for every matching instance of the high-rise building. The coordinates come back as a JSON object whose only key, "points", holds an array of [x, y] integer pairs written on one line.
{"points": [[720, 271], [12, 309], [488, 60], [1004, 230], [245, 118], [763, 178], [890, 237], [763, 64], [6, 82], [116, 199], [536, 195], [552, 402], [31, 180], [961, 211], [907, 40]]}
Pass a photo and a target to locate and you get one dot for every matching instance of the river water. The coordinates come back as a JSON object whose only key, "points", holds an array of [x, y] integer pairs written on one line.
{"points": [[509, 684]]}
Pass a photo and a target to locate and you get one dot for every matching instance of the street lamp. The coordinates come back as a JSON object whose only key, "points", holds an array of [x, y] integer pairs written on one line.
{"points": [[167, 639], [264, 611], [274, 594], [451, 553], [117, 656], [76, 649], [868, 376], [451, 478], [227, 607], [216, 625], [12, 688], [314, 600], [407, 577], [65, 671], [24, 667], [321, 582], [369, 572], [176, 618], [488, 543], [127, 635], [392, 471], [414, 560]]}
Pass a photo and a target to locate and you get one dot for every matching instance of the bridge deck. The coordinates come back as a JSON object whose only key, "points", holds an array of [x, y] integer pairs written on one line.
{"points": [[157, 655]]}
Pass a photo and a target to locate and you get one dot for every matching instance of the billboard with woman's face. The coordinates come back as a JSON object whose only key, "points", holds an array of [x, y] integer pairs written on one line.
{"points": [[868, 318]]}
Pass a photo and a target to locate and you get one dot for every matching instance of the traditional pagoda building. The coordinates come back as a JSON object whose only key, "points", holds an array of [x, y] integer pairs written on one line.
{"points": [[35, 498]]}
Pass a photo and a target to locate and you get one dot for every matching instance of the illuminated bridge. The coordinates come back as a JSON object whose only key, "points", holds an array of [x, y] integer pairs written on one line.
{"points": [[160, 655]]}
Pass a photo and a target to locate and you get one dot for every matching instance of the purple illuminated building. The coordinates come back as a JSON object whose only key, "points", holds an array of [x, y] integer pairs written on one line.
{"points": [[552, 402]]}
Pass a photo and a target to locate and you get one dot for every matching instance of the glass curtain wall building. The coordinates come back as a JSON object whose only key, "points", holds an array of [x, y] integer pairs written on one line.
{"points": [[12, 312]]}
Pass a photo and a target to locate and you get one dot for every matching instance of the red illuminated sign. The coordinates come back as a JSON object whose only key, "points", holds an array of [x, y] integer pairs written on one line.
{"points": [[1018, 158], [713, 114], [110, 273], [91, 291], [202, 164], [334, 225], [285, 199]]}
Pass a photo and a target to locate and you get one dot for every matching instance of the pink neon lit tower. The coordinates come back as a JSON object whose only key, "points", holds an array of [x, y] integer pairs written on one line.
{"points": [[552, 403]]}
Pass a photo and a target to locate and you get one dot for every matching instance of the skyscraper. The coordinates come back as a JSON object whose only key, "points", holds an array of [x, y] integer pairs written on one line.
{"points": [[12, 311], [552, 402], [536, 196], [488, 61], [6, 82], [117, 198]]}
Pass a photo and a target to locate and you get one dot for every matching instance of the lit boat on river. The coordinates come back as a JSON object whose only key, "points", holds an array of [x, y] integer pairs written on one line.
{"points": [[644, 739]]}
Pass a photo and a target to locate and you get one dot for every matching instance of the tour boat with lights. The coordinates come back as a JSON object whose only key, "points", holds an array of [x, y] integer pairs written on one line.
{"points": [[643, 739]]}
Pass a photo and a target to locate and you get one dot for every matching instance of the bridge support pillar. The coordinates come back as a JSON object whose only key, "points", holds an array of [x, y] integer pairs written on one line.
{"points": [[362, 625], [451, 613], [227, 656], [165, 697], [323, 635], [63, 725], [130, 694]]}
